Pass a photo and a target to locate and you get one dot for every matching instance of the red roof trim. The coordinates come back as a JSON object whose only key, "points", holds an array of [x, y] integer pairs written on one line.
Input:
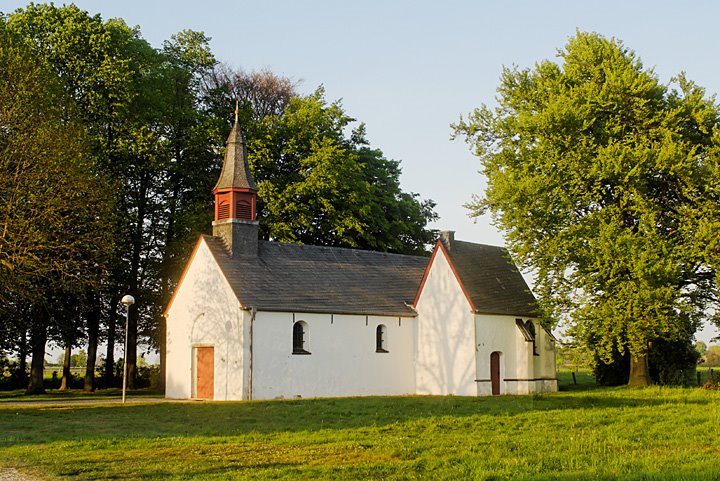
{"points": [[182, 276], [457, 277], [439, 246], [224, 190], [425, 275]]}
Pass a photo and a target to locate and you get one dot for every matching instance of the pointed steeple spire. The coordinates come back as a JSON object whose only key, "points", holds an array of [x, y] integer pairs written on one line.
{"points": [[236, 198], [236, 170]]}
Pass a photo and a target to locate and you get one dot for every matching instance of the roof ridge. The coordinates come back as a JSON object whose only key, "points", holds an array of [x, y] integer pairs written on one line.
{"points": [[348, 249], [455, 241]]}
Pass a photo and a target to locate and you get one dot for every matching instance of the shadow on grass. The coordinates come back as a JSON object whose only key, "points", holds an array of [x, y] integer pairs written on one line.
{"points": [[43, 424]]}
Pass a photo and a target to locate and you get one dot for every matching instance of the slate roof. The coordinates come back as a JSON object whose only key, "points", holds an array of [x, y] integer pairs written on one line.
{"points": [[491, 279], [236, 170], [303, 278]]}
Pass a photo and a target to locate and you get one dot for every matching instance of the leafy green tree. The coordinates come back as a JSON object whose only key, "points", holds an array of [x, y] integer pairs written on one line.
{"points": [[54, 234], [712, 356], [148, 133], [310, 185], [79, 359], [396, 221], [597, 174], [191, 141], [317, 186], [701, 348], [288, 135], [153, 122], [105, 69]]}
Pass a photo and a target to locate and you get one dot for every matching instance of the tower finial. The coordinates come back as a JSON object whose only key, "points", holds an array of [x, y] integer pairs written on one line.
{"points": [[236, 110]]}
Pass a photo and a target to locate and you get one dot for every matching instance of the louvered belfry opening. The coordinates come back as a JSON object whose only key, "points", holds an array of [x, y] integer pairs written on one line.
{"points": [[245, 206], [223, 211], [244, 210], [235, 204], [235, 198]]}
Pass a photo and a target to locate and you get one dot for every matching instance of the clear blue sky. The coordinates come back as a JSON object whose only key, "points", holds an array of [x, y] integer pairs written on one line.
{"points": [[410, 68]]}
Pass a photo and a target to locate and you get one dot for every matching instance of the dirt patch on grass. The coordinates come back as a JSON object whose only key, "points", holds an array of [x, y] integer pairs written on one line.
{"points": [[11, 474]]}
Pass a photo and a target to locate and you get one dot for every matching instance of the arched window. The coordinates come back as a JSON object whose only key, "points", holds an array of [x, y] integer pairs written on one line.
{"points": [[530, 326], [300, 338], [381, 338]]}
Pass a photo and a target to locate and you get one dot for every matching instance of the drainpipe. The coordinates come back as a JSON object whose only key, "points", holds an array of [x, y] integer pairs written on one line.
{"points": [[253, 312]]}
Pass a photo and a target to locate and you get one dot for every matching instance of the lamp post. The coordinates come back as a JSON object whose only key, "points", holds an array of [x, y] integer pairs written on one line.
{"points": [[128, 300]]}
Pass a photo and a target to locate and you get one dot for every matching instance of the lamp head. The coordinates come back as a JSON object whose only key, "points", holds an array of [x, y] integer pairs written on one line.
{"points": [[128, 300]]}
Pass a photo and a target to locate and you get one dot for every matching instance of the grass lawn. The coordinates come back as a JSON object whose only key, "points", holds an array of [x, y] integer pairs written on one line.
{"points": [[583, 433], [71, 394]]}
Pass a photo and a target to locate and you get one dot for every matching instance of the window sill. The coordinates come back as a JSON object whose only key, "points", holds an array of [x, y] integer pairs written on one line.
{"points": [[301, 353]]}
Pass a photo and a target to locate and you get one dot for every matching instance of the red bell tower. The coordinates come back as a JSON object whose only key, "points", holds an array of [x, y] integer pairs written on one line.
{"points": [[236, 197]]}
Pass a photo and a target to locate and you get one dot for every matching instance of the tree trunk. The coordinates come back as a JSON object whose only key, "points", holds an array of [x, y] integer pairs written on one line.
{"points": [[639, 372], [134, 279], [161, 344], [167, 281], [38, 339], [110, 353], [65, 382], [131, 347], [93, 330], [22, 355]]}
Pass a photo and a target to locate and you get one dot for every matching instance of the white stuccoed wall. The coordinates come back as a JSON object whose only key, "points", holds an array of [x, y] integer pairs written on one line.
{"points": [[545, 366], [434, 353], [205, 312], [520, 371], [496, 333], [445, 354], [343, 361]]}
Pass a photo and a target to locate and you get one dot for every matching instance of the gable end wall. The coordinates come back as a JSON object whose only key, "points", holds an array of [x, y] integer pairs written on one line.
{"points": [[445, 352], [205, 312]]}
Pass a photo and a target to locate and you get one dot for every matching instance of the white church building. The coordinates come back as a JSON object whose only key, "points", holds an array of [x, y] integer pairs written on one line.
{"points": [[254, 319]]}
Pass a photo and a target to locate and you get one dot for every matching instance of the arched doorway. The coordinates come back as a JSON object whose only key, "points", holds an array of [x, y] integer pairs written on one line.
{"points": [[495, 372]]}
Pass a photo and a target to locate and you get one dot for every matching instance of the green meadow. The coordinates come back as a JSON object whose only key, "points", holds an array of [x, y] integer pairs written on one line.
{"points": [[581, 433]]}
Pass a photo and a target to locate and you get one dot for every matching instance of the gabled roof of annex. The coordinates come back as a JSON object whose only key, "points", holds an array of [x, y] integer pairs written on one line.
{"points": [[489, 278]]}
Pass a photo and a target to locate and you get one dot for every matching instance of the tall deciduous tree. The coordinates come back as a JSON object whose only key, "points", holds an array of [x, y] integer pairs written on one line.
{"points": [[105, 69], [320, 183], [598, 174], [191, 138], [55, 207], [155, 121], [319, 186]]}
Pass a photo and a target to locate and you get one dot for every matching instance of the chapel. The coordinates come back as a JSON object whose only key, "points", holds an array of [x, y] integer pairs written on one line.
{"points": [[255, 319]]}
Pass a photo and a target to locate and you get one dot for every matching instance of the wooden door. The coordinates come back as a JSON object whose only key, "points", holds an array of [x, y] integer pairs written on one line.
{"points": [[495, 372], [205, 372]]}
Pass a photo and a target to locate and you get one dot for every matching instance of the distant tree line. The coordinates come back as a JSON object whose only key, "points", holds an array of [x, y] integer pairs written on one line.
{"points": [[709, 355], [109, 150]]}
